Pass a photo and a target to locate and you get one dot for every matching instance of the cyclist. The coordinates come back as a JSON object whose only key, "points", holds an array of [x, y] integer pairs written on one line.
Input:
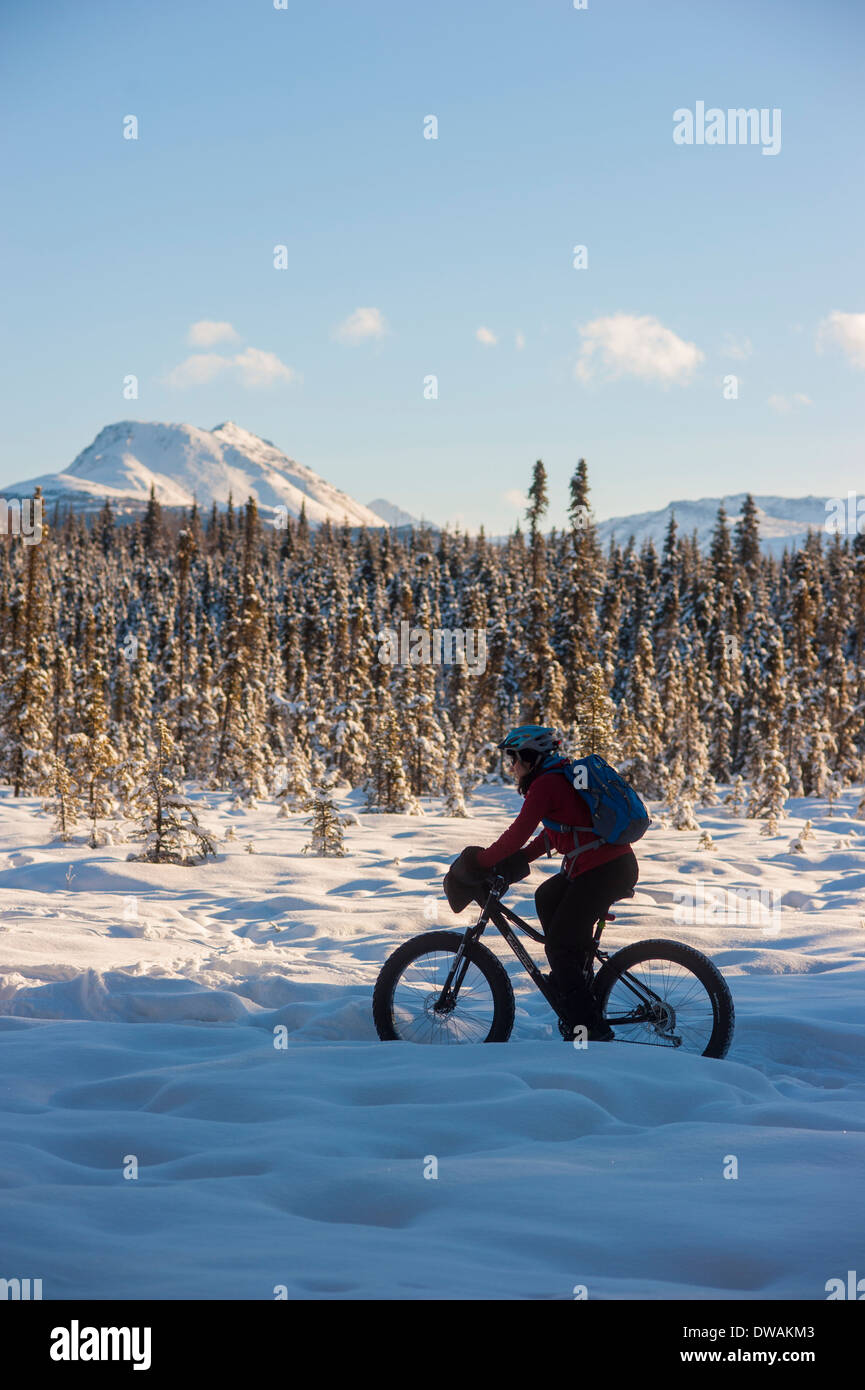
{"points": [[570, 903]]}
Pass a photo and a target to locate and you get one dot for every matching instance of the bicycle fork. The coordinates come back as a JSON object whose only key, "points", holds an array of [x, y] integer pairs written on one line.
{"points": [[447, 1000]]}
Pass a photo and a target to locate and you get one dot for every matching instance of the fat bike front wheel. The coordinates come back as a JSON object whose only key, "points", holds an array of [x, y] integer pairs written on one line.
{"points": [[666, 994], [437, 989]]}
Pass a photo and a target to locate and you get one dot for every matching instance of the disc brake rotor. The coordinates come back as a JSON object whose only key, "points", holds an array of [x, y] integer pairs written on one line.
{"points": [[664, 1020]]}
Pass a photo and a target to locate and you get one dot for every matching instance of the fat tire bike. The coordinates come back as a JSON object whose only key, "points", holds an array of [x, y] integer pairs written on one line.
{"points": [[448, 987]]}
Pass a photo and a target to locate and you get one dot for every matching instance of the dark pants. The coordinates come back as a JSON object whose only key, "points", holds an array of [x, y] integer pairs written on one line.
{"points": [[568, 909]]}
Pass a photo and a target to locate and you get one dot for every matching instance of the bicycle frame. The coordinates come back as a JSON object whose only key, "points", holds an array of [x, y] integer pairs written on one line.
{"points": [[494, 911]]}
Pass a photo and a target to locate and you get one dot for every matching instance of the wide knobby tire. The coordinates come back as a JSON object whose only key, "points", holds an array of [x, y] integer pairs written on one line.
{"points": [[441, 943], [691, 960]]}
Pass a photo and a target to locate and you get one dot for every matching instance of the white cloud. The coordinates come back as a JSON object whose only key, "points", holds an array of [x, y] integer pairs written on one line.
{"points": [[784, 404], [259, 368], [362, 324], [514, 497], [207, 333], [848, 331], [520, 342], [640, 346], [739, 350], [486, 336], [253, 367], [198, 369]]}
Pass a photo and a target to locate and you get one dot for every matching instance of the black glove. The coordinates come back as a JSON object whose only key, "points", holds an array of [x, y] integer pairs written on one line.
{"points": [[515, 867], [464, 880]]}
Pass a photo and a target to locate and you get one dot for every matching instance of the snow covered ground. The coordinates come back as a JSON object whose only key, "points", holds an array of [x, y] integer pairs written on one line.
{"points": [[137, 1013]]}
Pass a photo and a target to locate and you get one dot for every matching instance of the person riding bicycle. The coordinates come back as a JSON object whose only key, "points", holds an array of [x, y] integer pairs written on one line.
{"points": [[570, 903]]}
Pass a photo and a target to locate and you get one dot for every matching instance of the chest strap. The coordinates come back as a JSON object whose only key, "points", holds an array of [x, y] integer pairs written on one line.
{"points": [[560, 830]]}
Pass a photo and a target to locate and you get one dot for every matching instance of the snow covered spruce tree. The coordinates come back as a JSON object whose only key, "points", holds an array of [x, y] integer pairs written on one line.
{"points": [[544, 686], [641, 722], [65, 803], [770, 787], [293, 779], [326, 822], [454, 800], [736, 798], [241, 760], [92, 757], [167, 820], [580, 565], [25, 692], [387, 786], [596, 717]]}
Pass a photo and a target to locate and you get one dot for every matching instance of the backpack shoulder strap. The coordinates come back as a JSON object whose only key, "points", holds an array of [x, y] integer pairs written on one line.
{"points": [[566, 767]]}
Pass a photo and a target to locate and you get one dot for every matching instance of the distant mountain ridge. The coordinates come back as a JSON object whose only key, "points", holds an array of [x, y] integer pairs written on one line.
{"points": [[783, 521], [397, 516], [185, 464]]}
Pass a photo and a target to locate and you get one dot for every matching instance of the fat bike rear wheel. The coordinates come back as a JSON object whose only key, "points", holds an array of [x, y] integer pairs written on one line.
{"points": [[666, 994]]}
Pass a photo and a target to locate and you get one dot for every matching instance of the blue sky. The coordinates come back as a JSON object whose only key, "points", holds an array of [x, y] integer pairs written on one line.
{"points": [[304, 127]]}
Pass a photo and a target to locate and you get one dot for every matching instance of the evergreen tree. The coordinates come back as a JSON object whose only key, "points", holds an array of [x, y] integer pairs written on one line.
{"points": [[25, 697], [92, 755], [641, 739], [387, 784], [747, 537], [770, 787], [668, 607], [582, 574], [454, 801], [326, 839], [736, 798], [151, 526], [596, 718], [65, 804], [167, 820]]}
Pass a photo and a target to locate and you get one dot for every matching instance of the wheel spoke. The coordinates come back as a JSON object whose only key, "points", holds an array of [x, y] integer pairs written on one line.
{"points": [[420, 985], [684, 1014]]}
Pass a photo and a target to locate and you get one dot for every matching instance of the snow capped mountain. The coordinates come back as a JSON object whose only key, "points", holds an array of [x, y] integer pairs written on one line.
{"points": [[186, 464], [783, 521]]}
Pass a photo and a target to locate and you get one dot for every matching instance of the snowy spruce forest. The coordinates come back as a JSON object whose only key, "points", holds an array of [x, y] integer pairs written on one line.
{"points": [[220, 651]]}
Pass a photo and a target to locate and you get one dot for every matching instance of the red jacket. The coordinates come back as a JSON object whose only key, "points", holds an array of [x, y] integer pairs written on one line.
{"points": [[551, 797]]}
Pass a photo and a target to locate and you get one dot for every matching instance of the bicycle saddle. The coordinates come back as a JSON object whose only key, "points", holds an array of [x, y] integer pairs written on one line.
{"points": [[611, 916]]}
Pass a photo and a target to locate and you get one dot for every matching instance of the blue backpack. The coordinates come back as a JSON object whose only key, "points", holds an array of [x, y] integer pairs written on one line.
{"points": [[618, 815]]}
